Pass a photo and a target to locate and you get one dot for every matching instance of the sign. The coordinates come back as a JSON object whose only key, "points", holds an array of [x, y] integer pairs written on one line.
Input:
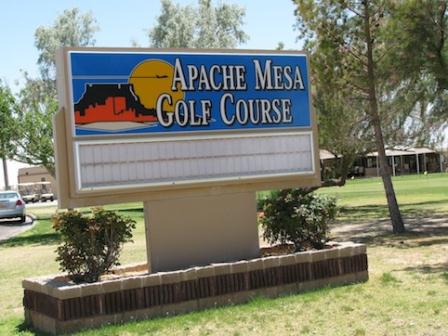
{"points": [[140, 93], [139, 120]]}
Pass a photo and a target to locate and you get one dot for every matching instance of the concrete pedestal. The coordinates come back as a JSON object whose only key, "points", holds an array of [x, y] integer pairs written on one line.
{"points": [[197, 231]]}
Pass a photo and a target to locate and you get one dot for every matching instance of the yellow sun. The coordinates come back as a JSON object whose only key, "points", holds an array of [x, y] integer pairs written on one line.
{"points": [[151, 79]]}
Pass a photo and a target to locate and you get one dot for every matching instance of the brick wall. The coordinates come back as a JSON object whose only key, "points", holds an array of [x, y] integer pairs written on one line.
{"points": [[53, 306]]}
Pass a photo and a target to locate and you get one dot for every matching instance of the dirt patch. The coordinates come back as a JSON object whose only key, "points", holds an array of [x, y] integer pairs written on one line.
{"points": [[288, 248]]}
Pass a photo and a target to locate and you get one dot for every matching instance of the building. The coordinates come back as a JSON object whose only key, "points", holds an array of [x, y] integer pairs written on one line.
{"points": [[327, 164], [409, 161], [36, 184], [401, 161], [35, 174]]}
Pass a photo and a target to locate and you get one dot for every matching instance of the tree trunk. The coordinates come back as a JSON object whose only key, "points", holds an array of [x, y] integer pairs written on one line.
{"points": [[5, 173], [394, 210], [51, 169]]}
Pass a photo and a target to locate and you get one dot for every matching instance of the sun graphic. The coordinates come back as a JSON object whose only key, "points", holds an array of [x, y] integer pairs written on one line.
{"points": [[153, 78]]}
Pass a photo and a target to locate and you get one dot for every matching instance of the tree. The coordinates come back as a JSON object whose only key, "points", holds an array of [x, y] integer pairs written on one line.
{"points": [[206, 26], [71, 29], [38, 98], [8, 129], [355, 28], [37, 106], [424, 24], [344, 127]]}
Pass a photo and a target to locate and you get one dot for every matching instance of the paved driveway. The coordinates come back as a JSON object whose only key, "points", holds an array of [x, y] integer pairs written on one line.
{"points": [[10, 228]]}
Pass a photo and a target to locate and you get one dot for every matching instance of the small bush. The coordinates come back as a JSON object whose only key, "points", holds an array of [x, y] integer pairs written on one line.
{"points": [[299, 217], [90, 244]]}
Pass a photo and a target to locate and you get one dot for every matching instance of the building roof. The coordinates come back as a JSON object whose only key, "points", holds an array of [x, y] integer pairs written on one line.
{"points": [[326, 155], [423, 150], [402, 152], [32, 170]]}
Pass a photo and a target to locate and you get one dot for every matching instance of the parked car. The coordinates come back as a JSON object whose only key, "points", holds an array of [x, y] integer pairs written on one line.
{"points": [[12, 205], [28, 191], [45, 191]]}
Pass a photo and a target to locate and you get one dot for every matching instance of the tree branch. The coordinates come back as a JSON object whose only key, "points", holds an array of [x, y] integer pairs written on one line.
{"points": [[354, 11]]}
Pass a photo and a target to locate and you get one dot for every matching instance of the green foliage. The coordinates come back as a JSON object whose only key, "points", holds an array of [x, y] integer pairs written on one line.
{"points": [[423, 24], [37, 106], [91, 245], [404, 76], [38, 98], [297, 216], [8, 121], [70, 29], [410, 66], [205, 26], [344, 127]]}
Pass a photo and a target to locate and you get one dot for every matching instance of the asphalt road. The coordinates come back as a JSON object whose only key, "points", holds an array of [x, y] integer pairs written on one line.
{"points": [[41, 204], [10, 228]]}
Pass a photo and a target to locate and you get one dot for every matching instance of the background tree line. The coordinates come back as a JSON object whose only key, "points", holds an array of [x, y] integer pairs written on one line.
{"points": [[379, 74]]}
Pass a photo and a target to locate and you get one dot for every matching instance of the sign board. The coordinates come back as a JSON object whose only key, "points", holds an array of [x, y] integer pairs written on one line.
{"points": [[140, 124]]}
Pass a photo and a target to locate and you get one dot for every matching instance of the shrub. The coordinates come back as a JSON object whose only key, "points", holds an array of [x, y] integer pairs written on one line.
{"points": [[299, 217], [90, 244]]}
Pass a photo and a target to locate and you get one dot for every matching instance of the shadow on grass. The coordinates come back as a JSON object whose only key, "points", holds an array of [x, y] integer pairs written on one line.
{"points": [[131, 210], [440, 269], [24, 327], [422, 229], [381, 211], [39, 239], [429, 269]]}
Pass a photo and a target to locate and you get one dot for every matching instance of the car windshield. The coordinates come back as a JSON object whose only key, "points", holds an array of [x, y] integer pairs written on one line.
{"points": [[8, 195]]}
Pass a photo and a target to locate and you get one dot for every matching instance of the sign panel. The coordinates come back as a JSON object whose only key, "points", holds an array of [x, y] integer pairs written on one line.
{"points": [[143, 122], [141, 93]]}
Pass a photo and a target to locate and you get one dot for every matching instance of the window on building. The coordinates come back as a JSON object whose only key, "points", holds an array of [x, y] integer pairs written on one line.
{"points": [[371, 162]]}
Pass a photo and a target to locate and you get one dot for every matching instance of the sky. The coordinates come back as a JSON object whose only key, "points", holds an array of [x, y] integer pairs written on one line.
{"points": [[267, 22]]}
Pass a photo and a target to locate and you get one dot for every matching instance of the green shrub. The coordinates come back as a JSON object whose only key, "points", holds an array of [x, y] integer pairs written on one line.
{"points": [[298, 217], [90, 244]]}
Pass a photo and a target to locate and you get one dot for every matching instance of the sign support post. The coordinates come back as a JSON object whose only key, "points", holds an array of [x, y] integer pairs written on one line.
{"points": [[200, 230]]}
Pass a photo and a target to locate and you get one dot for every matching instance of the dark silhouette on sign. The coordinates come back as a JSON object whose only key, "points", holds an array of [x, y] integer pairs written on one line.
{"points": [[111, 103]]}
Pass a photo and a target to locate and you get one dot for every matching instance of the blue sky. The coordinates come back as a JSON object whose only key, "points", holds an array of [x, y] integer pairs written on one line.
{"points": [[267, 22]]}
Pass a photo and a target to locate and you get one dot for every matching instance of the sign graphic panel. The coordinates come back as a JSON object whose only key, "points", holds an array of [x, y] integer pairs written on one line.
{"points": [[128, 93]]}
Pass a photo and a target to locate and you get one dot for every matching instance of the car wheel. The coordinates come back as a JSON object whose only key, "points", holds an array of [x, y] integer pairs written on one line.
{"points": [[51, 199]]}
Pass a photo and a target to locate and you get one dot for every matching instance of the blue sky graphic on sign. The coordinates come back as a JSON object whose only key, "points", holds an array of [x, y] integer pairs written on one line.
{"points": [[151, 92]]}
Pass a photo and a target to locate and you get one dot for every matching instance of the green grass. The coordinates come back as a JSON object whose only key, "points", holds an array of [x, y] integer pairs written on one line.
{"points": [[416, 195], [407, 293]]}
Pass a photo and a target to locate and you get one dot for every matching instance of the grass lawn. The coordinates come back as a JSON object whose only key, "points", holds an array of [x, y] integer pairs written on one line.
{"points": [[407, 293], [416, 194]]}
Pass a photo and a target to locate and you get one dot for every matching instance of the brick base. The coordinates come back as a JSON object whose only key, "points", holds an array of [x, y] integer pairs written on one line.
{"points": [[56, 308]]}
